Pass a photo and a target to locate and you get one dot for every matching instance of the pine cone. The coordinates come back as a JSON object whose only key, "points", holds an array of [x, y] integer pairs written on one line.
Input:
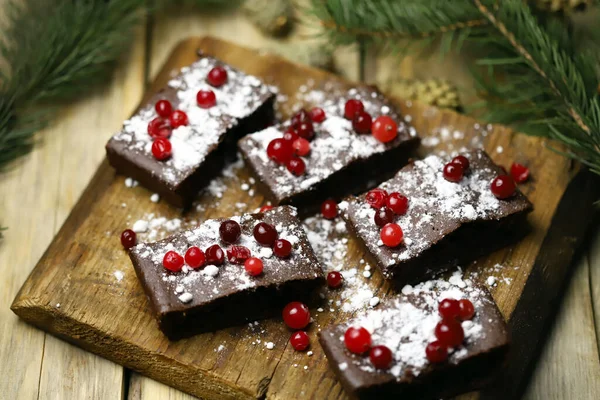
{"points": [[273, 17], [565, 6], [434, 92]]}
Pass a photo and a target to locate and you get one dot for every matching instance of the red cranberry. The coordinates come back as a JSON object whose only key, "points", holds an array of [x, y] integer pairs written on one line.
{"points": [[329, 209], [466, 310], [296, 315], [163, 108], [376, 197], [519, 172], [503, 187], [264, 233], [206, 98], [282, 248], [296, 166], [215, 255], [265, 208], [453, 172], [384, 129], [299, 117], [462, 161], [178, 118], [357, 340], [300, 341], [290, 135], [353, 107], [362, 122], [301, 147], [449, 332], [305, 130], [280, 151], [383, 216], [161, 149], [194, 257], [317, 114], [392, 235], [128, 238], [217, 76], [381, 357], [238, 254], [253, 266], [436, 352], [449, 309], [398, 203], [158, 128], [230, 231], [173, 261], [334, 279]]}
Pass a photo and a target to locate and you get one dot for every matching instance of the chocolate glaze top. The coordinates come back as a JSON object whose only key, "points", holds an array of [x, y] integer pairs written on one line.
{"points": [[406, 324], [171, 291], [335, 144], [436, 208], [238, 98]]}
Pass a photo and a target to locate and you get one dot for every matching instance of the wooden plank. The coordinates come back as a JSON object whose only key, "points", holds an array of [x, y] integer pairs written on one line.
{"points": [[594, 276], [111, 317], [142, 388], [42, 193], [569, 366]]}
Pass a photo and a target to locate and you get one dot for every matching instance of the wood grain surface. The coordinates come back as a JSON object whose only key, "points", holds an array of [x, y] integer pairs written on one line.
{"points": [[112, 318]]}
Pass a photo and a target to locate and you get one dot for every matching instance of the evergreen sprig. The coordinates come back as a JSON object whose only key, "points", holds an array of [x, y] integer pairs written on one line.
{"points": [[533, 72], [53, 51]]}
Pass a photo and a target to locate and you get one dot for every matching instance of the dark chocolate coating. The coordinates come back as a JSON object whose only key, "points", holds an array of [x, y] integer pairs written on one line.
{"points": [[232, 297], [181, 191], [444, 241], [482, 360]]}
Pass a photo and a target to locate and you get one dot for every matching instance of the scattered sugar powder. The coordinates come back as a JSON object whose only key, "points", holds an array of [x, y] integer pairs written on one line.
{"points": [[270, 345], [119, 275], [406, 324], [329, 240]]}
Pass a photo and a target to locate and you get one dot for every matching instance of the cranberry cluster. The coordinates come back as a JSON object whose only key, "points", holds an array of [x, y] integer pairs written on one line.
{"points": [[455, 169], [504, 186], [449, 331], [358, 341], [161, 127], [295, 142], [230, 232], [383, 128], [297, 316], [387, 206]]}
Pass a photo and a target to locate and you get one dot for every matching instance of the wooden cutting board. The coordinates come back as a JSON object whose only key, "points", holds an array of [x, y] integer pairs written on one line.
{"points": [[84, 289]]}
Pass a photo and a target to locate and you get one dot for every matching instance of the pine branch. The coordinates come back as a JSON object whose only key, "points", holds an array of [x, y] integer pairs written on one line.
{"points": [[528, 65]]}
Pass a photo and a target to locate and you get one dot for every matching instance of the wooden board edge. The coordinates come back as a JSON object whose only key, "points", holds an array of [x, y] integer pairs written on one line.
{"points": [[178, 375], [543, 291]]}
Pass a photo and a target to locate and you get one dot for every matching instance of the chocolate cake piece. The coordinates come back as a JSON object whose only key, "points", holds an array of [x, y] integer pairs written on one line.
{"points": [[446, 223], [244, 104], [212, 297], [341, 161], [406, 325]]}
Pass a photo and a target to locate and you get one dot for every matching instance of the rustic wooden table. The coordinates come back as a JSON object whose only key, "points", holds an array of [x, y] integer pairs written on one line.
{"points": [[39, 193]]}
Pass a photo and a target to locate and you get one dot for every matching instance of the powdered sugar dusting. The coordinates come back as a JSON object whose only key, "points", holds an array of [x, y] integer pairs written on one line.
{"points": [[431, 199], [329, 240], [406, 324], [238, 98], [335, 145]]}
